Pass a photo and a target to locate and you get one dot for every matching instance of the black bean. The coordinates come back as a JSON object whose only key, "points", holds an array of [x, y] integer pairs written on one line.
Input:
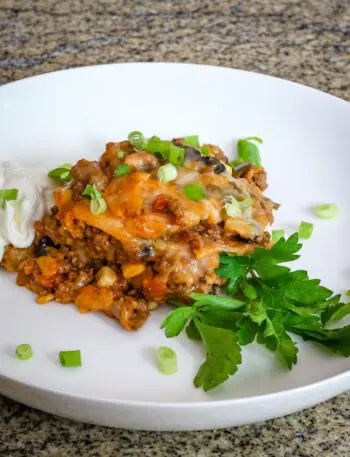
{"points": [[54, 210], [192, 153], [217, 166], [41, 249], [146, 252], [241, 239], [240, 169]]}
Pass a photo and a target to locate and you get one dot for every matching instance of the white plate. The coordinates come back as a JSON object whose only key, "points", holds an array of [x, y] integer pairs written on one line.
{"points": [[60, 117]]}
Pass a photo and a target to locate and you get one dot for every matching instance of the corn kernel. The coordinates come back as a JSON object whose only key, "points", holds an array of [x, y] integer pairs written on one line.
{"points": [[132, 269]]}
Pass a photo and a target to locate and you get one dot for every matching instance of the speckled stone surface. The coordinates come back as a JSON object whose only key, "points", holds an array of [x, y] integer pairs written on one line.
{"points": [[306, 41]]}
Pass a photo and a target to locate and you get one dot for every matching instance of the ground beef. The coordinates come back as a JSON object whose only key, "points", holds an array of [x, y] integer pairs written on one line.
{"points": [[257, 176]]}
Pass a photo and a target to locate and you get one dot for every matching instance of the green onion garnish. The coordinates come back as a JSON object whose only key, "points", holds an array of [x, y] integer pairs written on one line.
{"points": [[305, 230], [205, 150], [248, 151], [122, 169], [167, 173], [24, 352], [194, 191], [347, 293], [327, 211], [120, 154], [192, 141], [167, 360], [137, 140], [61, 174], [157, 146], [277, 235], [233, 208], [98, 204], [152, 144], [247, 202], [70, 358], [176, 155], [235, 163], [7, 195]]}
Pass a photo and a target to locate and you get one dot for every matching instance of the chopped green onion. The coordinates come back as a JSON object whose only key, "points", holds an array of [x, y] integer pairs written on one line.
{"points": [[254, 138], [347, 293], [236, 162], [305, 230], [232, 207], [167, 360], [327, 211], [194, 191], [276, 206], [176, 155], [61, 174], [92, 192], [205, 150], [152, 144], [247, 202], [192, 141], [277, 235], [120, 154], [24, 352], [7, 195], [122, 169], [70, 358], [98, 204], [167, 173], [248, 151], [157, 146], [137, 140]]}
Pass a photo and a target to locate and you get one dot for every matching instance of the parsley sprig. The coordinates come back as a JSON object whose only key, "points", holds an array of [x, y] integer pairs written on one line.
{"points": [[265, 302]]}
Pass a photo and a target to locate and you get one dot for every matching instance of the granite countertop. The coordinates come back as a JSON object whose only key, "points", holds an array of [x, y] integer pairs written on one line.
{"points": [[306, 41]]}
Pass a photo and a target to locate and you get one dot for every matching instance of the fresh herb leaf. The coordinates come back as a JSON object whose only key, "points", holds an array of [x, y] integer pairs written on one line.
{"points": [[334, 310], [257, 312], [221, 318], [274, 336], [337, 340], [266, 262], [232, 267], [217, 301], [223, 355], [268, 302], [247, 331], [192, 331], [248, 290], [308, 292], [176, 320]]}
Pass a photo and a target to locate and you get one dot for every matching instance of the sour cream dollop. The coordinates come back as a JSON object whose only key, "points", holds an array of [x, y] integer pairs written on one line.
{"points": [[33, 200]]}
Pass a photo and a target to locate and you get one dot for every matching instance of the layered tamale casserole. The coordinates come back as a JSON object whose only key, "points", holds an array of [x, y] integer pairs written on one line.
{"points": [[144, 224]]}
